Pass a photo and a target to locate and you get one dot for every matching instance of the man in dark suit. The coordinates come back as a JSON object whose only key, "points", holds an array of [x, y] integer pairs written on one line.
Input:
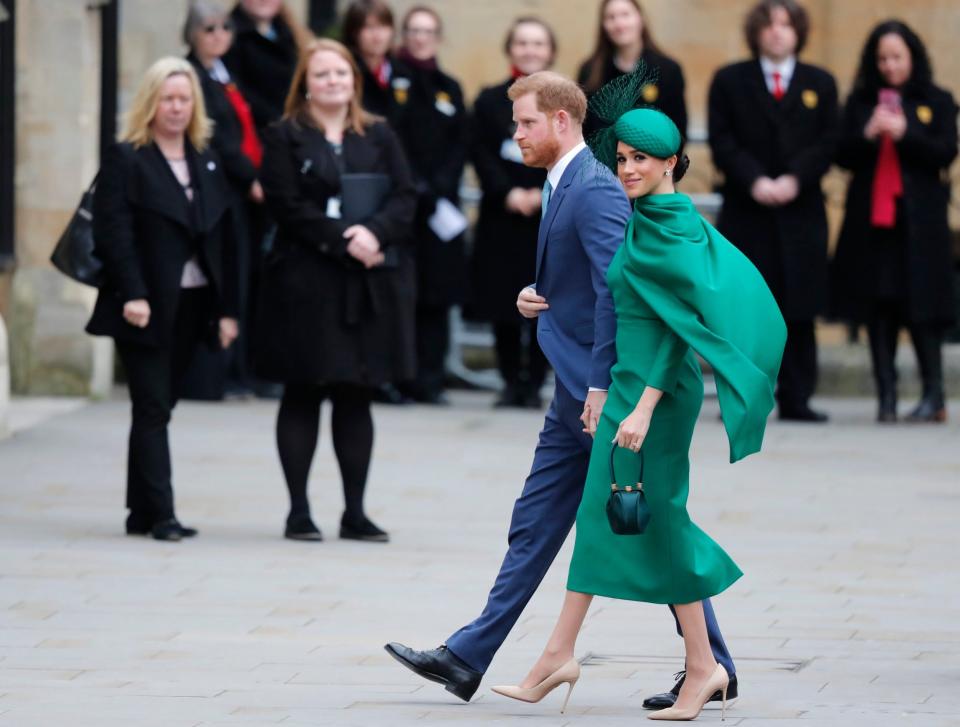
{"points": [[773, 125], [585, 212]]}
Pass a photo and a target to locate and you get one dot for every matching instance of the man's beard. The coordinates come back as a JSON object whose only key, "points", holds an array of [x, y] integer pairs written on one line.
{"points": [[545, 153]]}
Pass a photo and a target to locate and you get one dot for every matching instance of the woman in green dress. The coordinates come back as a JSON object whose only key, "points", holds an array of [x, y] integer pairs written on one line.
{"points": [[679, 287]]}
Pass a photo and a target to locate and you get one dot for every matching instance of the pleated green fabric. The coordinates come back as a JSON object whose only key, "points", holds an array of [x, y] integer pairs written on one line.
{"points": [[678, 287]]}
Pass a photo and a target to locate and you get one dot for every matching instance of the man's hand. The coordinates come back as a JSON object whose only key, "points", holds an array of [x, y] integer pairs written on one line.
{"points": [[530, 304], [256, 192], [787, 187], [592, 409], [137, 312], [764, 191]]}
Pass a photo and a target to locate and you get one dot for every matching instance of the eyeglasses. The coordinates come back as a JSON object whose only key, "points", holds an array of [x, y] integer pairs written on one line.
{"points": [[226, 26], [426, 32]]}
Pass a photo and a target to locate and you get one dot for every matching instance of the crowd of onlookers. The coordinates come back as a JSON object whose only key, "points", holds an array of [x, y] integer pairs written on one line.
{"points": [[294, 203]]}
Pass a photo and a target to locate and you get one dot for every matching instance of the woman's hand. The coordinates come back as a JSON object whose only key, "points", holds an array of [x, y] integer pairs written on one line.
{"points": [[363, 245], [896, 124], [137, 312], [633, 430], [229, 330], [256, 192]]}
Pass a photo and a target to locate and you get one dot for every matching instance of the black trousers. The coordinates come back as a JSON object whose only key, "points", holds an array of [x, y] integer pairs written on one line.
{"points": [[433, 341], [798, 372], [519, 358], [154, 376], [883, 329]]}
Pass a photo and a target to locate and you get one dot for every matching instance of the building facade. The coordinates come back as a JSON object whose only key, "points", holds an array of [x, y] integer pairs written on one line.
{"points": [[67, 67]]}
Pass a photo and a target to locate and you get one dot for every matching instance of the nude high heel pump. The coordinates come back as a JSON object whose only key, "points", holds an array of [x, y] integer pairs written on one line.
{"points": [[566, 674], [719, 680]]}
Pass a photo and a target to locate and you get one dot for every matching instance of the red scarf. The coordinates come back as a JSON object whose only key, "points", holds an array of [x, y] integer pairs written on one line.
{"points": [[249, 141], [516, 73], [887, 185], [381, 74]]}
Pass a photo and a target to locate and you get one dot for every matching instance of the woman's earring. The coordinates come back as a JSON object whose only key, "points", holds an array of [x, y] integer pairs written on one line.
{"points": [[668, 173], [307, 95]]}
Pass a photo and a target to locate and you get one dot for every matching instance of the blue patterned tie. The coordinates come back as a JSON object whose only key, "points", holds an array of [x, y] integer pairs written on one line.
{"points": [[545, 198]]}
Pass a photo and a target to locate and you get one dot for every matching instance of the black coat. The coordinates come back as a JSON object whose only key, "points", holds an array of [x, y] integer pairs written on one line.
{"points": [[667, 94], [323, 317], [432, 126], [227, 131], [389, 102], [923, 240], [262, 67], [505, 243], [753, 135], [145, 230]]}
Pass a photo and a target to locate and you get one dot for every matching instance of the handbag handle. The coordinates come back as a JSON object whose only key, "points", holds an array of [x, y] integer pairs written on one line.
{"points": [[613, 474]]}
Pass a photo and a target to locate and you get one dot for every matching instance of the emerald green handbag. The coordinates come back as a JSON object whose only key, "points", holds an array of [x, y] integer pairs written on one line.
{"points": [[627, 508]]}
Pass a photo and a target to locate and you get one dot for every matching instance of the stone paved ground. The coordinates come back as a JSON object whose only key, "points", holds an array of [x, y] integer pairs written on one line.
{"points": [[847, 614]]}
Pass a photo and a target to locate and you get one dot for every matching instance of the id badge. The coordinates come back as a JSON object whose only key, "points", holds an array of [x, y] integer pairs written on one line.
{"points": [[333, 208]]}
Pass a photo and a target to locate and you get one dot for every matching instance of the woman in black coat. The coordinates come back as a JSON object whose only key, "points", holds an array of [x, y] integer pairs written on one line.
{"points": [[264, 55], [208, 31], [893, 265], [623, 40], [505, 242], [773, 125], [433, 131], [163, 228], [337, 306]]}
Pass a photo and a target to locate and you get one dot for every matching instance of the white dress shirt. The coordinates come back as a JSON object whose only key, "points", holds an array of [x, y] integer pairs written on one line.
{"points": [[556, 174], [785, 68]]}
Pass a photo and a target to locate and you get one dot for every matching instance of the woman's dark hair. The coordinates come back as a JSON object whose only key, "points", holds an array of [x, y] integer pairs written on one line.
{"points": [[760, 17], [529, 20], [604, 49], [416, 9], [681, 167], [356, 17], [869, 81]]}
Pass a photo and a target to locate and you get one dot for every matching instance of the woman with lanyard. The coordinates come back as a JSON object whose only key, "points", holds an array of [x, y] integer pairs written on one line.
{"points": [[505, 242]]}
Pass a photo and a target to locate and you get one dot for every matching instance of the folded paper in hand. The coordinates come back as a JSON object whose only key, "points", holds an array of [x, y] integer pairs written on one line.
{"points": [[447, 221]]}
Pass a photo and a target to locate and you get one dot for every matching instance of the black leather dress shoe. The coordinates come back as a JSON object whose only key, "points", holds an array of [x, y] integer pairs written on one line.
{"points": [[802, 414], [929, 410], [169, 530], [363, 529], [139, 527], [439, 665], [668, 699]]}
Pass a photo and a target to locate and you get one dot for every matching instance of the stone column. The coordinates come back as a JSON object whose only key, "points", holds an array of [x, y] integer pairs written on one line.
{"points": [[58, 99]]}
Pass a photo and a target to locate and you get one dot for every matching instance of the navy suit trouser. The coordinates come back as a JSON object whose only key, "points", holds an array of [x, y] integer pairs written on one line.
{"points": [[542, 518]]}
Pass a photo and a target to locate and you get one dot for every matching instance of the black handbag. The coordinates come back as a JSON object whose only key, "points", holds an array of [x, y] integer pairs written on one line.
{"points": [[627, 508], [73, 256]]}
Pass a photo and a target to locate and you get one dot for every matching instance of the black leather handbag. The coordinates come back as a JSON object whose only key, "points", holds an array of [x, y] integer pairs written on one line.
{"points": [[627, 508], [73, 256]]}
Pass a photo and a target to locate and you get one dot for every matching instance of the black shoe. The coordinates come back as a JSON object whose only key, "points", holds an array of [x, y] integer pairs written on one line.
{"points": [[302, 528], [440, 665], [510, 397], [169, 530], [137, 526], [802, 414], [668, 699], [363, 529], [929, 410]]}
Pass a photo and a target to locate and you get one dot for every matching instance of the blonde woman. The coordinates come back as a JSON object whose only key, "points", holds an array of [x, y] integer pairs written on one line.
{"points": [[163, 231], [338, 294]]}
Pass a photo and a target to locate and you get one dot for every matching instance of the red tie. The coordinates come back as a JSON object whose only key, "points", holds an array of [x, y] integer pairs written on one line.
{"points": [[777, 86]]}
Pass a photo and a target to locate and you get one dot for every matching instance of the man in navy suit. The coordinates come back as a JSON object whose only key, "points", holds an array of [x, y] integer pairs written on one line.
{"points": [[585, 212]]}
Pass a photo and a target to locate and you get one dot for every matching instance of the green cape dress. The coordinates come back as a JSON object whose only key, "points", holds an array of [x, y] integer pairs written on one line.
{"points": [[678, 287]]}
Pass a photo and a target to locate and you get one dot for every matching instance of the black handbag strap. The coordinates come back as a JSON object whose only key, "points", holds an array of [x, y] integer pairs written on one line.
{"points": [[613, 473]]}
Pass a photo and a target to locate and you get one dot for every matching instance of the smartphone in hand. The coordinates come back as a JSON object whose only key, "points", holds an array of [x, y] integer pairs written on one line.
{"points": [[889, 99]]}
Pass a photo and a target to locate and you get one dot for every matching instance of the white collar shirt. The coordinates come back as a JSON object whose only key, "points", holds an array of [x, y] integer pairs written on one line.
{"points": [[785, 68], [556, 174]]}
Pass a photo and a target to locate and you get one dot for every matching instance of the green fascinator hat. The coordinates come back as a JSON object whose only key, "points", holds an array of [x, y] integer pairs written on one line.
{"points": [[645, 129]]}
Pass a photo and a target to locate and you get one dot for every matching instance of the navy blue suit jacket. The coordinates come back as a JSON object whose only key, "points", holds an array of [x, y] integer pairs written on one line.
{"points": [[582, 229]]}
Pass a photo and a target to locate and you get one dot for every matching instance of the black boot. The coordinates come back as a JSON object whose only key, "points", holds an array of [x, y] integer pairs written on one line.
{"points": [[932, 407], [882, 333]]}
